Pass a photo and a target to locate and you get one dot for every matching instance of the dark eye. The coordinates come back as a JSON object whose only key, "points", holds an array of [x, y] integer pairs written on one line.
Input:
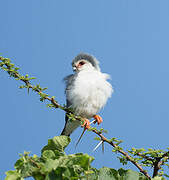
{"points": [[81, 63]]}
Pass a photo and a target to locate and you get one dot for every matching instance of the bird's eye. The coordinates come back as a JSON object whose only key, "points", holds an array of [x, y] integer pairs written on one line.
{"points": [[81, 63]]}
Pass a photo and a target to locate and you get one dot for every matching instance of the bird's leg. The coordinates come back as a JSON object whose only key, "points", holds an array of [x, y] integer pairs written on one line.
{"points": [[86, 124], [98, 119]]}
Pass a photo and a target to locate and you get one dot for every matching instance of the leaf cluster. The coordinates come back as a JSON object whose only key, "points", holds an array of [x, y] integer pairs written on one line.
{"points": [[55, 164], [151, 158], [6, 65]]}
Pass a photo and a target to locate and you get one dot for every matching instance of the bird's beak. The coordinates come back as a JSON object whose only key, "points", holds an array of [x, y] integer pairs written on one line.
{"points": [[74, 68]]}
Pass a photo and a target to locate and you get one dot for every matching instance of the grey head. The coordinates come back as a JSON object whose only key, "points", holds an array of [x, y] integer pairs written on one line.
{"points": [[87, 57]]}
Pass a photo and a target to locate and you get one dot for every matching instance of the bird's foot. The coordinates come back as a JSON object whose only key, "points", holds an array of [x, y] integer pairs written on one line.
{"points": [[86, 124], [98, 119]]}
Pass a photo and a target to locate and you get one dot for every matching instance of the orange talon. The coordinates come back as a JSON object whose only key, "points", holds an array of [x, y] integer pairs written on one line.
{"points": [[98, 119], [86, 124]]}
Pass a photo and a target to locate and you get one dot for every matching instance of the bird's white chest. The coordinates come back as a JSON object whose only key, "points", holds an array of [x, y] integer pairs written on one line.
{"points": [[88, 92]]}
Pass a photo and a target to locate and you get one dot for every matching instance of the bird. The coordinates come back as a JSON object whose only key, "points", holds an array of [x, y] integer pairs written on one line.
{"points": [[87, 91]]}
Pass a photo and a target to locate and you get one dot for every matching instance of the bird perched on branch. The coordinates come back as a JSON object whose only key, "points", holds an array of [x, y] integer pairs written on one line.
{"points": [[87, 91]]}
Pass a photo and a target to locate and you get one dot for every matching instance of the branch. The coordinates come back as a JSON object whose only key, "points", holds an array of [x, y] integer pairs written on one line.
{"points": [[129, 158], [6, 65], [159, 162], [145, 157]]}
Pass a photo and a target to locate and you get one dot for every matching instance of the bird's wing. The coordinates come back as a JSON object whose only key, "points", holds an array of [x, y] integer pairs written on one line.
{"points": [[68, 81], [70, 125], [65, 129], [66, 121]]}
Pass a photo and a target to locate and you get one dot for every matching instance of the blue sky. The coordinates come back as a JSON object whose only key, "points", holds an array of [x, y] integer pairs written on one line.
{"points": [[130, 39]]}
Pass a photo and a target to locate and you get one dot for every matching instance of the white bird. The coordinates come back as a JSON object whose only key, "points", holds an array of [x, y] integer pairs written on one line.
{"points": [[87, 91]]}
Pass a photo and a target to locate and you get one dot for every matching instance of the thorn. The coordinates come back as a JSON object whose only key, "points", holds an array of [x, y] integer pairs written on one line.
{"points": [[83, 133], [103, 147], [101, 142], [94, 121], [28, 90], [80, 137]]}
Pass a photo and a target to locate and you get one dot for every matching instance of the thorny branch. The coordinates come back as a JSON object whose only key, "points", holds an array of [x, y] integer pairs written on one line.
{"points": [[104, 139], [12, 71], [159, 161]]}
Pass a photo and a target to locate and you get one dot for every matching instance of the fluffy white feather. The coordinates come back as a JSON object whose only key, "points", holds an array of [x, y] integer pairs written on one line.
{"points": [[87, 92]]}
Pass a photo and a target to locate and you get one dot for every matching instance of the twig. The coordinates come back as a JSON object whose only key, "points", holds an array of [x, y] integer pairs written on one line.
{"points": [[34, 163], [144, 156]]}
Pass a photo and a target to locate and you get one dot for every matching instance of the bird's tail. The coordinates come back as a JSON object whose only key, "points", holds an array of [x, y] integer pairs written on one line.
{"points": [[70, 126]]}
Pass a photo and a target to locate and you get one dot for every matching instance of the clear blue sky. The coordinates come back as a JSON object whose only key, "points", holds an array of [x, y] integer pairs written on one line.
{"points": [[131, 40]]}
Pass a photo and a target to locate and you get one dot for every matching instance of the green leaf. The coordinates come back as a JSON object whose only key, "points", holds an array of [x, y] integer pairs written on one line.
{"points": [[166, 175], [44, 89], [57, 143], [51, 105], [83, 160], [38, 176], [108, 174], [97, 138], [103, 130], [158, 178], [48, 154], [119, 142], [65, 173], [131, 175], [53, 176], [19, 163], [49, 165], [13, 175], [31, 78]]}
